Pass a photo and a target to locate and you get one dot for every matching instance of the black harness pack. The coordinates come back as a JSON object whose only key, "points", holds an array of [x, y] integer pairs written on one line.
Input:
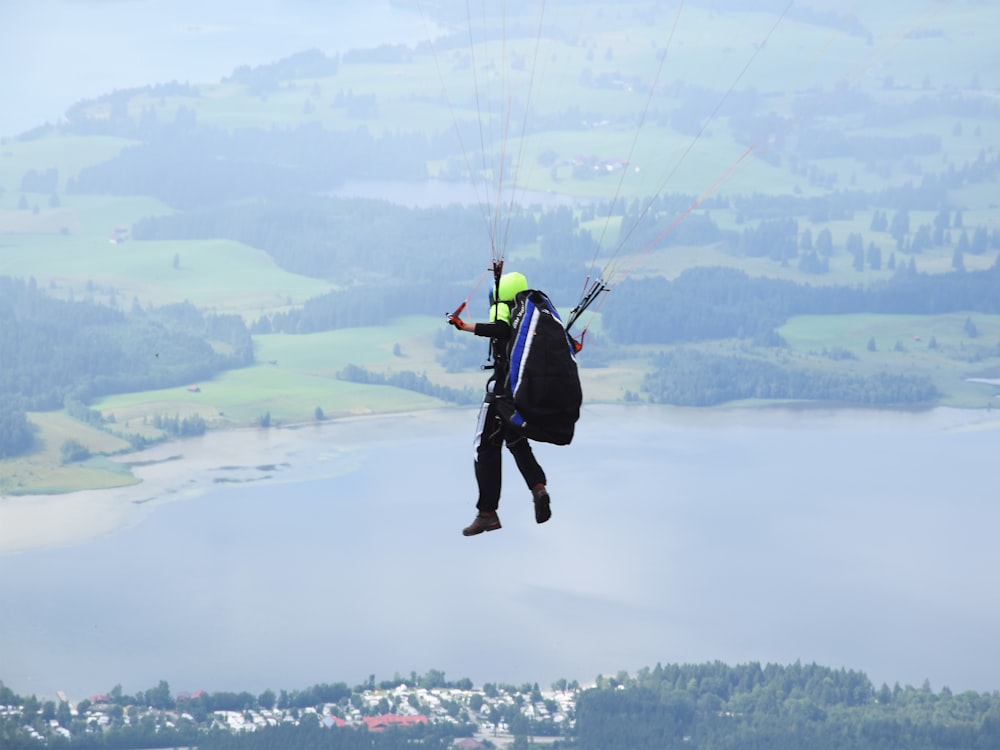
{"points": [[540, 395]]}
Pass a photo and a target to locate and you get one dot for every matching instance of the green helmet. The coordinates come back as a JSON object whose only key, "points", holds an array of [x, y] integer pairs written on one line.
{"points": [[510, 285]]}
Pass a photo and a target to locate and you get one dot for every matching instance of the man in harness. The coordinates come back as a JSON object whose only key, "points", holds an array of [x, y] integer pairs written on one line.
{"points": [[492, 432]]}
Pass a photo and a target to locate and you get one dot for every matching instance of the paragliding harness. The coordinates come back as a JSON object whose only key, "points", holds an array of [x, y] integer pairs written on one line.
{"points": [[540, 395]]}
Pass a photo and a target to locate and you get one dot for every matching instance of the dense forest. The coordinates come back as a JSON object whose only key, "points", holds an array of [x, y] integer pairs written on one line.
{"points": [[58, 353], [775, 707], [716, 303], [687, 377]]}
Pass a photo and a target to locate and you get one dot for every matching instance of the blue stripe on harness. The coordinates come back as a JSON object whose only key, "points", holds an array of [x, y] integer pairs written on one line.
{"points": [[521, 345]]}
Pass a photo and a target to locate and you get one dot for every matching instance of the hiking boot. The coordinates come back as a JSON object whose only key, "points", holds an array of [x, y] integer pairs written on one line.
{"points": [[541, 497], [482, 522]]}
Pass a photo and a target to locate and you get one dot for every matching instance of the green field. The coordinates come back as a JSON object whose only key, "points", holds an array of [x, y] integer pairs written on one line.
{"points": [[296, 374], [218, 275], [43, 472], [935, 345]]}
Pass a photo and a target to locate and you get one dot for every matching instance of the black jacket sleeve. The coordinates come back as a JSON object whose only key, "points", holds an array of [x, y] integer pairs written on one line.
{"points": [[499, 330]]}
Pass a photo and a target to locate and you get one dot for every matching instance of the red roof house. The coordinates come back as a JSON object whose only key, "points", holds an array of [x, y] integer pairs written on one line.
{"points": [[383, 722]]}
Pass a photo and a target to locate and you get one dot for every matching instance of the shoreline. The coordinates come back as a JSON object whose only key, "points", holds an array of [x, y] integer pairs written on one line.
{"points": [[190, 467]]}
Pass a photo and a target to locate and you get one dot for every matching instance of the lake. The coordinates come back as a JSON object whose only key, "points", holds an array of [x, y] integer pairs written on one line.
{"points": [[856, 539], [64, 52]]}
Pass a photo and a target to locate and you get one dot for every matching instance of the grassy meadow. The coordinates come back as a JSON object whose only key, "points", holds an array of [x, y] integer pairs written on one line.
{"points": [[43, 471], [935, 345], [74, 248]]}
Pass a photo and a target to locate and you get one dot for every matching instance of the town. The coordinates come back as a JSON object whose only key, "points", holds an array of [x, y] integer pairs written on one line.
{"points": [[493, 715]]}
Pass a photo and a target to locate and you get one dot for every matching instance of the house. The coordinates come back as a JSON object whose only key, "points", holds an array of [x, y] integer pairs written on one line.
{"points": [[383, 722]]}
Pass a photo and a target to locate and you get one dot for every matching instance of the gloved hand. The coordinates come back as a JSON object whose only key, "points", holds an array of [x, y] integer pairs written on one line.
{"points": [[456, 321]]}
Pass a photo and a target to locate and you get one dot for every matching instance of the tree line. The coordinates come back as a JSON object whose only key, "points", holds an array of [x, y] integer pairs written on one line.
{"points": [[264, 79], [719, 707], [410, 381], [350, 238], [717, 303], [687, 377]]}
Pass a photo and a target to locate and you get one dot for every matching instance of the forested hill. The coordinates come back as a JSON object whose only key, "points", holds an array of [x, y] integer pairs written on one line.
{"points": [[777, 707], [54, 352]]}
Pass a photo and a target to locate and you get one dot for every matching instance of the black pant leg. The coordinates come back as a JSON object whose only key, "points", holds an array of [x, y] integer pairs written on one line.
{"points": [[527, 464], [488, 464]]}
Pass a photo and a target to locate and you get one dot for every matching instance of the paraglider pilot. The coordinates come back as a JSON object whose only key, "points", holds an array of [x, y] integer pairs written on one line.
{"points": [[491, 431]]}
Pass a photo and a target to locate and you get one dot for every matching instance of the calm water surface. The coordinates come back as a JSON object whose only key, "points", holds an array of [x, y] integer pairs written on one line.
{"points": [[864, 540]]}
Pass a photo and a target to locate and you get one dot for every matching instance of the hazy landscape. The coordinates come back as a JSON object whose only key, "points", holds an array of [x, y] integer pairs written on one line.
{"points": [[232, 418]]}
